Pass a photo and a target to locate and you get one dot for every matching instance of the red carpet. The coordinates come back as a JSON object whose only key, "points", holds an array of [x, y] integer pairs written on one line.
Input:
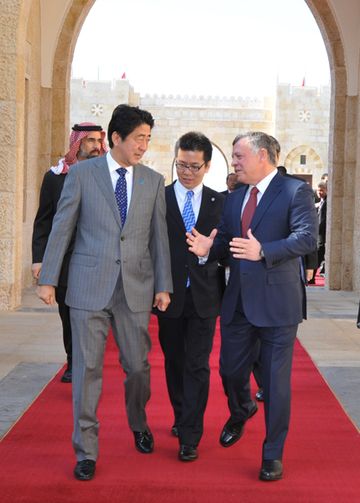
{"points": [[322, 457], [319, 281]]}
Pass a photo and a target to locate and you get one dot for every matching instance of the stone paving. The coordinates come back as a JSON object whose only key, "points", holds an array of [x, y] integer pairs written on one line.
{"points": [[31, 350]]}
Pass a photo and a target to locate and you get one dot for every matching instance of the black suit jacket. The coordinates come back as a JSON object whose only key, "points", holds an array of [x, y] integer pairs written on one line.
{"points": [[205, 280], [50, 193], [322, 223]]}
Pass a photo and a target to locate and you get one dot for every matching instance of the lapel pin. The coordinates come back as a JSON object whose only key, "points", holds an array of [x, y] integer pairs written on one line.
{"points": [[141, 181]]}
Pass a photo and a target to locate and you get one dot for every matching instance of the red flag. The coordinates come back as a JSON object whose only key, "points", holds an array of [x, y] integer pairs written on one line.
{"points": [[303, 82], [123, 76]]}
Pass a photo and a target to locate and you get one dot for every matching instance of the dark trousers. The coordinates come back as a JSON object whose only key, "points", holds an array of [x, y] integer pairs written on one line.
{"points": [[257, 364], [238, 340], [186, 343], [64, 312]]}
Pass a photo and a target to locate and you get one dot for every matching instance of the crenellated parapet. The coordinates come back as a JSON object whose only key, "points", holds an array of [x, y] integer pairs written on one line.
{"points": [[202, 101]]}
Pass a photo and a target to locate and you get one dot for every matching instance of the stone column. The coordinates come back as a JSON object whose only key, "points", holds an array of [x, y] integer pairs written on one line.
{"points": [[11, 153]]}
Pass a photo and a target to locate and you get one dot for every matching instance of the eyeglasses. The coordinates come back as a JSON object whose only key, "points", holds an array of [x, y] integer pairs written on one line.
{"points": [[181, 166]]}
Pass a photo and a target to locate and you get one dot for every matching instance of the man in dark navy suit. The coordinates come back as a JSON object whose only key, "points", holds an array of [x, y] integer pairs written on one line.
{"points": [[186, 329], [265, 227]]}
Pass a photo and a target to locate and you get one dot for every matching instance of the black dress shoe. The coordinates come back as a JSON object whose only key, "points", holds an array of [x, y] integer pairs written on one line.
{"points": [[259, 395], [187, 453], [232, 432], [253, 410], [271, 469], [175, 431], [85, 470], [144, 441], [67, 375]]}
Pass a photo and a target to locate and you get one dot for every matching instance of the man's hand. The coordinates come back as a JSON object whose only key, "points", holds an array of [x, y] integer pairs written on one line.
{"points": [[161, 301], [47, 294], [309, 274], [248, 249], [198, 243], [35, 270]]}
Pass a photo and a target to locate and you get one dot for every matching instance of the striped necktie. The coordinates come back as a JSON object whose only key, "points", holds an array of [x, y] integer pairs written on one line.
{"points": [[188, 218], [188, 212]]}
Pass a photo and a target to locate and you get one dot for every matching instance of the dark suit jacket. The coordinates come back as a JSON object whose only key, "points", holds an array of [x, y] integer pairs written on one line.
{"points": [[205, 279], [322, 223], [50, 192], [285, 223]]}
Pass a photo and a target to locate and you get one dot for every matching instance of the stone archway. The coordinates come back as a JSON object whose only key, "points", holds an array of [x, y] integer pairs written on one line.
{"points": [[342, 160], [313, 164], [71, 28]]}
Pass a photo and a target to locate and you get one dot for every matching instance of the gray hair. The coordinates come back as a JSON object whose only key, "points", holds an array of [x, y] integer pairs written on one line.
{"points": [[258, 140]]}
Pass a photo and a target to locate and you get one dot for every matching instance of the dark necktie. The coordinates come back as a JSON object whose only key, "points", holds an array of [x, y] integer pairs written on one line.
{"points": [[121, 194], [188, 212], [249, 211]]}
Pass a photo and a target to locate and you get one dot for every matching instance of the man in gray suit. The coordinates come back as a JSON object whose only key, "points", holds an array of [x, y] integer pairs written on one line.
{"points": [[120, 267]]}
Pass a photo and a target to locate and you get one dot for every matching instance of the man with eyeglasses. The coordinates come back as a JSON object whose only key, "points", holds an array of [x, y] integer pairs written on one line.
{"points": [[186, 329]]}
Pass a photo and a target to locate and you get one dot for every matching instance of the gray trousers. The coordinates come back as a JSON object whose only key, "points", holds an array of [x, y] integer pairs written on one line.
{"points": [[90, 330]]}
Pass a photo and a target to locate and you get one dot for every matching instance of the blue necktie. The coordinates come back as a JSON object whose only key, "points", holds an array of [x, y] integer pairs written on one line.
{"points": [[188, 218], [121, 194], [188, 212]]}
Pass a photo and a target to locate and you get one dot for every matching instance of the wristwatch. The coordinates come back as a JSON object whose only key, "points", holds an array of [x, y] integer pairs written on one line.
{"points": [[261, 253]]}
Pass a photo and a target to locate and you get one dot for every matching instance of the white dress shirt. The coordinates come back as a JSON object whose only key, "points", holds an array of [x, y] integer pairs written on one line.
{"points": [[113, 166], [261, 186]]}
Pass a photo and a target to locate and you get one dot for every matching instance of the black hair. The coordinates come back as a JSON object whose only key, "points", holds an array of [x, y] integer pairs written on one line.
{"points": [[195, 141], [125, 119], [282, 170]]}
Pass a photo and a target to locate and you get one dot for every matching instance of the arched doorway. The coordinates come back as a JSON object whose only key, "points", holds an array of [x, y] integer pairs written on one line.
{"points": [[303, 160]]}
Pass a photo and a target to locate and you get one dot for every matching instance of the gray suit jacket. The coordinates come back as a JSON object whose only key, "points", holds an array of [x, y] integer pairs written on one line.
{"points": [[140, 250]]}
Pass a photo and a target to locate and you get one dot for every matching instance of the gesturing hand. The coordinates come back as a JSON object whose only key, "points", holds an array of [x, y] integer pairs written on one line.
{"points": [[198, 243], [248, 249]]}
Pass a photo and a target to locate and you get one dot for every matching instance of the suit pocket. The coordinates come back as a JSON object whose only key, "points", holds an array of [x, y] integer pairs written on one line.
{"points": [[279, 278], [83, 260]]}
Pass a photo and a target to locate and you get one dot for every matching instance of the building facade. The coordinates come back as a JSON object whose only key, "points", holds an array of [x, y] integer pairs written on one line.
{"points": [[297, 116]]}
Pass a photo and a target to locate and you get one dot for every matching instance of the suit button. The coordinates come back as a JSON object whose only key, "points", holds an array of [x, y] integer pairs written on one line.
{"points": [[122, 238], [118, 261]]}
